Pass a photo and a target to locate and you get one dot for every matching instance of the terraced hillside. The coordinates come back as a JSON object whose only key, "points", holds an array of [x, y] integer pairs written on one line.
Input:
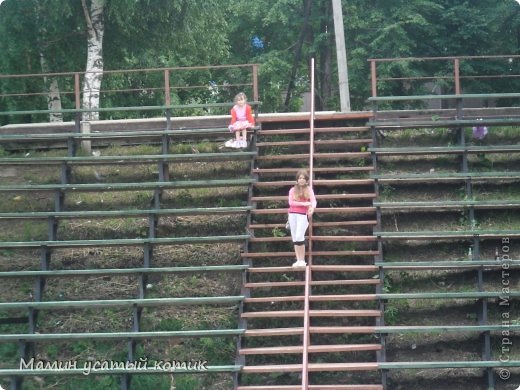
{"points": [[130, 254]]}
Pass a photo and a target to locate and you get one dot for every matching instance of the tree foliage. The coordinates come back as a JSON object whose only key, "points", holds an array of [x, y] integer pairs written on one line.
{"points": [[163, 33]]}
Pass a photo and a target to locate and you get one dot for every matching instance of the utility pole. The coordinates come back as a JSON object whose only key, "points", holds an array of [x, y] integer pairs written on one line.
{"points": [[341, 56]]}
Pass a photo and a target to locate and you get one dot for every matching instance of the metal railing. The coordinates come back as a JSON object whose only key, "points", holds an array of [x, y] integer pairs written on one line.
{"points": [[136, 90], [456, 74]]}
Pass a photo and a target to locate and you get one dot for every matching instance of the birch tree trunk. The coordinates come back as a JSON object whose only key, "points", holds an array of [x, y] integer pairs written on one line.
{"points": [[50, 82], [94, 68], [53, 93]]}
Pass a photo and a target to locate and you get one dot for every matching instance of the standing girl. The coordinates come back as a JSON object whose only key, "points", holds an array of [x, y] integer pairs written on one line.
{"points": [[302, 203], [241, 120]]}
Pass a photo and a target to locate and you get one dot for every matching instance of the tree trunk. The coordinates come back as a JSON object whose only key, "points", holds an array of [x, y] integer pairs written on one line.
{"points": [[94, 68], [53, 93], [51, 83]]}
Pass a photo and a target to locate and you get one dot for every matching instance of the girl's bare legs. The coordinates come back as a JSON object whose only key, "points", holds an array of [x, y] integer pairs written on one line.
{"points": [[244, 137], [299, 251]]}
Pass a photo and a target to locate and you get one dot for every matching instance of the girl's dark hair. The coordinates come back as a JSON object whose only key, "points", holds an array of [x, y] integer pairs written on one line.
{"points": [[302, 172], [302, 192]]}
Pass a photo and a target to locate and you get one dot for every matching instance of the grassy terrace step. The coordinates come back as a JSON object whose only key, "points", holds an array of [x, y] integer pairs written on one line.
{"points": [[37, 337], [312, 349], [445, 150], [481, 204], [129, 159], [312, 313], [128, 186], [120, 242], [448, 234], [445, 176], [109, 371], [121, 303], [123, 271], [122, 213], [437, 264]]}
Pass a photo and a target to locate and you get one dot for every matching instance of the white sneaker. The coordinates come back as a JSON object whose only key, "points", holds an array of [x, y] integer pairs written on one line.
{"points": [[229, 143], [236, 144], [299, 263], [243, 144]]}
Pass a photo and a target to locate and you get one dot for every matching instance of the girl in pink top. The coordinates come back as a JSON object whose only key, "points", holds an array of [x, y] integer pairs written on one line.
{"points": [[241, 120], [302, 203]]}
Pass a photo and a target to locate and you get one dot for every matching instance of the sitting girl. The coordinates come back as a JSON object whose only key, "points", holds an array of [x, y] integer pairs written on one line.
{"points": [[241, 120]]}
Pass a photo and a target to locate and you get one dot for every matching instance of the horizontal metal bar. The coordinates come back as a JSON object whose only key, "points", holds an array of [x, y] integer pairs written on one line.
{"points": [[122, 271], [121, 303], [31, 337], [122, 213], [129, 186], [123, 241]]}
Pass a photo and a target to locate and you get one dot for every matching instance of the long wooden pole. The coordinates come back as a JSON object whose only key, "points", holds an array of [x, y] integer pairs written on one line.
{"points": [[341, 56], [306, 317]]}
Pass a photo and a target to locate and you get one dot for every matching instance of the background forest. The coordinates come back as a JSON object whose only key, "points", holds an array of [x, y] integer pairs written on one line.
{"points": [[280, 35]]}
